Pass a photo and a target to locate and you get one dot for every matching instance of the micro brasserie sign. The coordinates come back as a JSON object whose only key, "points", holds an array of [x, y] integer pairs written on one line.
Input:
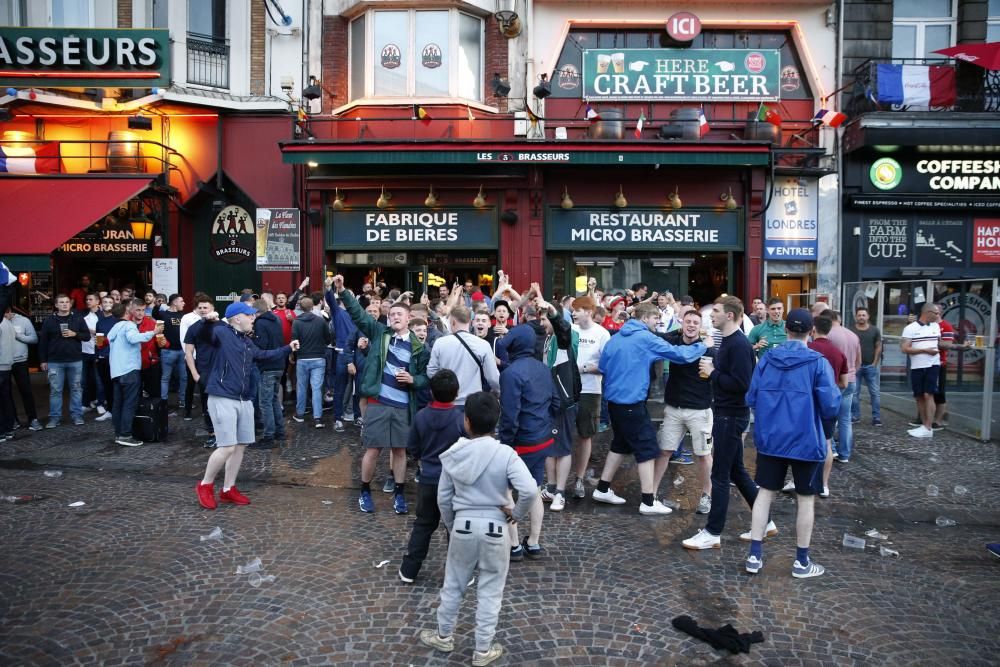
{"points": [[82, 57], [681, 74], [643, 229], [412, 228]]}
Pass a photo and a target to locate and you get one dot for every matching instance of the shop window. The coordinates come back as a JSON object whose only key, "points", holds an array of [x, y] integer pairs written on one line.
{"points": [[993, 22], [72, 13], [416, 53], [12, 12], [156, 13], [207, 46], [570, 64], [920, 27]]}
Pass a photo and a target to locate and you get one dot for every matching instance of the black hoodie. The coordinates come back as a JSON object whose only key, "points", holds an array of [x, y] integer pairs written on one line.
{"points": [[313, 334]]}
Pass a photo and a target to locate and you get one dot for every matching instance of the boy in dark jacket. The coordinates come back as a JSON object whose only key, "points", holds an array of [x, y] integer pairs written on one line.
{"points": [[435, 428], [231, 386], [528, 399], [269, 335]]}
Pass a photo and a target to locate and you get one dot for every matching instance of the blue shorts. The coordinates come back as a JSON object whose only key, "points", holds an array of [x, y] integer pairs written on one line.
{"points": [[771, 472], [924, 380], [534, 457], [633, 431]]}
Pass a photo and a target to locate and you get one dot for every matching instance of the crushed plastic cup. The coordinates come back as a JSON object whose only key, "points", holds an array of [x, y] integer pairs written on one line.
{"points": [[932, 491], [78, 503], [852, 542], [256, 579], [679, 480], [214, 536], [875, 535], [327, 502], [960, 490], [53, 473], [935, 459], [253, 565], [887, 552], [944, 521]]}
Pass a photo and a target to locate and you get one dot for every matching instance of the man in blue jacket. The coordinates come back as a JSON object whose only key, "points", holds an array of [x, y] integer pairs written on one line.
{"points": [[795, 388], [625, 364], [231, 387], [343, 329]]}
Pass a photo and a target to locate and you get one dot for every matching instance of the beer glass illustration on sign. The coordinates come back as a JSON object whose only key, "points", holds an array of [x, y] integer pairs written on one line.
{"points": [[618, 62], [603, 62], [263, 223]]}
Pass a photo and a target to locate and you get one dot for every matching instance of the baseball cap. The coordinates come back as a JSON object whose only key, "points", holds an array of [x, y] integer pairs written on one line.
{"points": [[799, 320], [478, 296], [241, 308]]}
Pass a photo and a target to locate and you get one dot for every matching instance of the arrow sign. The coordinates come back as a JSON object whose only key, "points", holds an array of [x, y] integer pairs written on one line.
{"points": [[770, 251], [951, 244]]}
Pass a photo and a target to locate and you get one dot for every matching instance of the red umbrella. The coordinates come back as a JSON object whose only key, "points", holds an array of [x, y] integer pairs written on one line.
{"points": [[986, 55]]}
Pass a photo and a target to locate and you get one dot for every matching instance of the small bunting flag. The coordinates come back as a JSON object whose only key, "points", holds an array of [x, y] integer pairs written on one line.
{"points": [[592, 114], [703, 127], [639, 124], [829, 118], [768, 115], [423, 116]]}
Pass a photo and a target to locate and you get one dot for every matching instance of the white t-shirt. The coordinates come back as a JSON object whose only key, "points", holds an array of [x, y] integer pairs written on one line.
{"points": [[87, 346], [591, 345], [186, 322], [923, 337]]}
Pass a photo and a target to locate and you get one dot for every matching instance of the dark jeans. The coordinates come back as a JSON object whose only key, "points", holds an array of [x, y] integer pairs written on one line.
{"points": [[727, 466], [92, 389], [7, 403], [102, 366], [330, 376], [151, 380], [126, 400], [21, 376], [189, 399], [427, 521], [270, 403], [340, 384]]}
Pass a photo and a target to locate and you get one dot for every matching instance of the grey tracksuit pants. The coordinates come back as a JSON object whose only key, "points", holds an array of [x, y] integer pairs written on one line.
{"points": [[475, 542]]}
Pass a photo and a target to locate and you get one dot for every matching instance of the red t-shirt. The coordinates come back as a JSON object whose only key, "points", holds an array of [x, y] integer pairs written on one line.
{"points": [[286, 322], [836, 358], [947, 336], [612, 324]]}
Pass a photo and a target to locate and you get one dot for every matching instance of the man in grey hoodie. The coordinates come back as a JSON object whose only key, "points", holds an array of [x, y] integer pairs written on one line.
{"points": [[472, 496]]}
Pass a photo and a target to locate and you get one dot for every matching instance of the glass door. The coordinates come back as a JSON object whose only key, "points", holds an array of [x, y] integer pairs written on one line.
{"points": [[899, 304], [866, 294]]}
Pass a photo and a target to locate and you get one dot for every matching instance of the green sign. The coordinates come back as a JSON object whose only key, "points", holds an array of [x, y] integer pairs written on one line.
{"points": [[405, 229], [83, 57], [732, 75], [643, 229]]}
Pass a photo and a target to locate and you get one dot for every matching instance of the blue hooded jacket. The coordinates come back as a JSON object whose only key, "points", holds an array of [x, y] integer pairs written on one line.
{"points": [[627, 356], [528, 397], [341, 324], [792, 390], [232, 374]]}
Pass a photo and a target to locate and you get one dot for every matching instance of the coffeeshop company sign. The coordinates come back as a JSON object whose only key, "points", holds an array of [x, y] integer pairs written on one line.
{"points": [[452, 228], [735, 75]]}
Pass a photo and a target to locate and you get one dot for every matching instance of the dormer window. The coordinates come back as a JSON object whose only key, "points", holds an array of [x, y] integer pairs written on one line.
{"points": [[416, 53]]}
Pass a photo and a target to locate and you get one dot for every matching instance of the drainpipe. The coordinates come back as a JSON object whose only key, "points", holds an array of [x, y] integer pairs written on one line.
{"points": [[839, 73], [218, 150]]}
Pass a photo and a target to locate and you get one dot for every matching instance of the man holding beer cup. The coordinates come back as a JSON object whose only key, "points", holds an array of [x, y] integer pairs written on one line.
{"points": [[61, 355], [126, 363]]}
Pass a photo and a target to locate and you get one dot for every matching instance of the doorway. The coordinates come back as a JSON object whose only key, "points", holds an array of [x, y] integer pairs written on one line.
{"points": [[783, 288]]}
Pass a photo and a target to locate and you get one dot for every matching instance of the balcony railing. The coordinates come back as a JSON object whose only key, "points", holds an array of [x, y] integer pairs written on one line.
{"points": [[976, 89], [207, 60]]}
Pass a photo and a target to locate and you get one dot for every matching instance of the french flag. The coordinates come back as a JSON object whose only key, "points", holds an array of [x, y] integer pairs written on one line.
{"points": [[30, 158], [916, 85], [703, 126]]}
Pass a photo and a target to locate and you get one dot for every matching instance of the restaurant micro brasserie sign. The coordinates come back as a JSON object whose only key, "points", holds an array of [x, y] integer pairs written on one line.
{"points": [[82, 57], [750, 75]]}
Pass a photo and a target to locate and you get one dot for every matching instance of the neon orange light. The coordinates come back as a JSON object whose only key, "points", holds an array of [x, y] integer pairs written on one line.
{"points": [[79, 75]]}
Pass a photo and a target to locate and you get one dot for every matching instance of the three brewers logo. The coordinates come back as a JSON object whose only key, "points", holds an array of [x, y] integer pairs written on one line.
{"points": [[885, 173], [569, 77], [430, 57], [391, 58], [232, 235]]}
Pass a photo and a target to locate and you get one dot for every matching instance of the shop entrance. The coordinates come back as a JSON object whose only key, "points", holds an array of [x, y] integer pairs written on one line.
{"points": [[412, 271]]}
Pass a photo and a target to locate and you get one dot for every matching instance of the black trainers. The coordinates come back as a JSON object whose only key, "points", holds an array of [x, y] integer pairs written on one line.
{"points": [[532, 552], [516, 554]]}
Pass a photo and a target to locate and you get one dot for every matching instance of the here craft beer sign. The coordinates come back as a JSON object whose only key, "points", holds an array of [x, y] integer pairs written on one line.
{"points": [[733, 75]]}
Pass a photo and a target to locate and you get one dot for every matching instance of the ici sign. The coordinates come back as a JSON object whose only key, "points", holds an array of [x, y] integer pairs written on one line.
{"points": [[683, 26]]}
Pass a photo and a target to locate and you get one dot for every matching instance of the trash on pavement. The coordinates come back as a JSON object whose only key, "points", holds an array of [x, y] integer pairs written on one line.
{"points": [[932, 491], [53, 473], [887, 552], [256, 579], [874, 534], [380, 564], [78, 503], [679, 480], [960, 490], [20, 500], [852, 542], [327, 502], [944, 522], [214, 536], [253, 565]]}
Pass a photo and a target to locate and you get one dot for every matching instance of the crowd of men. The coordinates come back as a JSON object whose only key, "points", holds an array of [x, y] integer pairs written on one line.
{"points": [[495, 398]]}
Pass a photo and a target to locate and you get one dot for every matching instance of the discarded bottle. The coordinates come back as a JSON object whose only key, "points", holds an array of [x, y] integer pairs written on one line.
{"points": [[875, 535], [53, 473], [944, 522], [20, 500], [252, 566], [932, 491], [961, 490], [852, 542], [887, 552], [679, 480], [214, 536], [256, 579]]}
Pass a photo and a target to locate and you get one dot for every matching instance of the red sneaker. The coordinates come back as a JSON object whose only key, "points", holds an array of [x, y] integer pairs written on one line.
{"points": [[234, 496], [206, 495]]}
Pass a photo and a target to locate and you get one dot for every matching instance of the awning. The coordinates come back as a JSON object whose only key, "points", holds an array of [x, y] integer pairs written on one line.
{"points": [[718, 154], [40, 213]]}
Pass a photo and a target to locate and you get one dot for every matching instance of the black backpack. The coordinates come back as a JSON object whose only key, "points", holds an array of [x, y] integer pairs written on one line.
{"points": [[150, 423]]}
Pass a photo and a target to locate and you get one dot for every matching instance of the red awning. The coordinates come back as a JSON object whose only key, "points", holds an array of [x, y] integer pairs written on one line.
{"points": [[39, 214]]}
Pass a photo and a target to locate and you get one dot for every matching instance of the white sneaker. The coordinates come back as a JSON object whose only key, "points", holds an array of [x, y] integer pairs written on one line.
{"points": [[825, 493], [543, 491], [101, 410], [769, 531], [656, 509], [558, 503], [790, 487], [704, 504], [921, 432], [703, 540], [105, 417], [609, 497]]}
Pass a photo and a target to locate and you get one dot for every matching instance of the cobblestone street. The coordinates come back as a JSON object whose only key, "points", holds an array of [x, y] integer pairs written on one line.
{"points": [[125, 578]]}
